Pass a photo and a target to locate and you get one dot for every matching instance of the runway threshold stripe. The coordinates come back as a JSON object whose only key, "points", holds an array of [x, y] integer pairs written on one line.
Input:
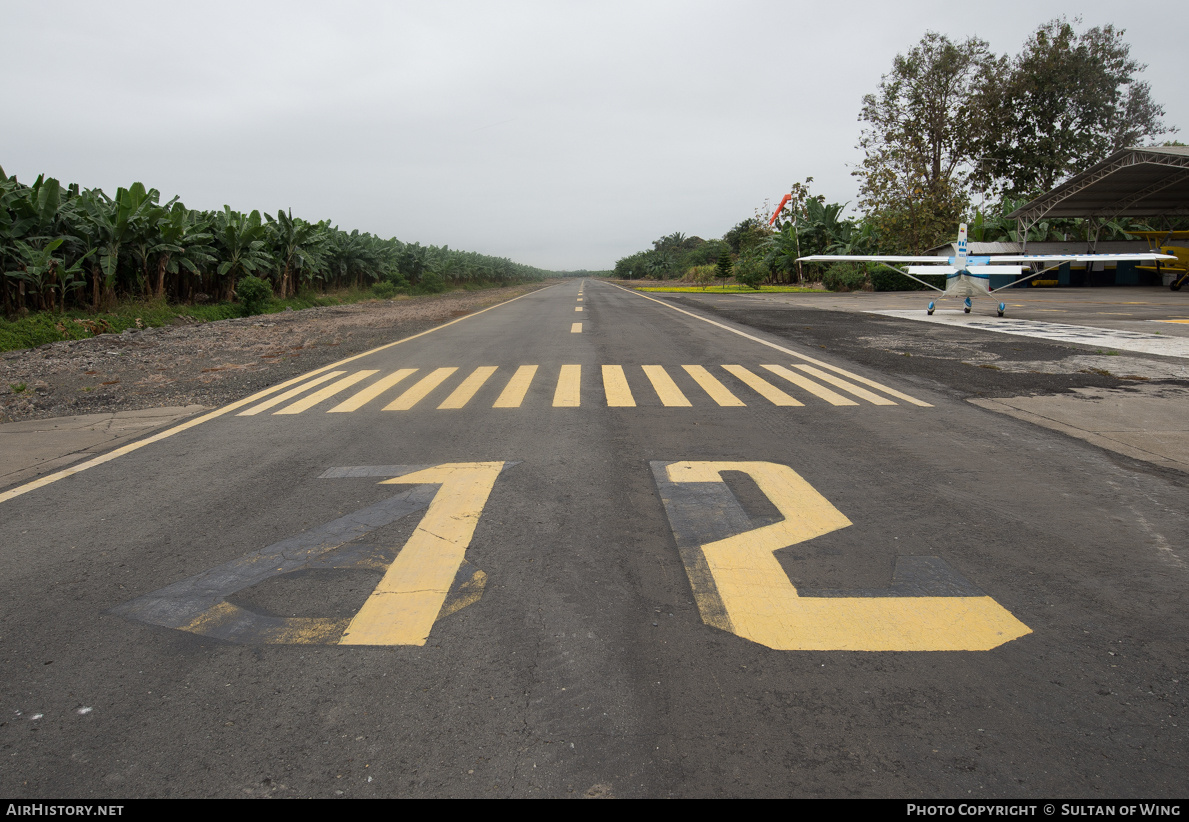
{"points": [[325, 393], [818, 390], [615, 386], [711, 385], [513, 394], [781, 348], [874, 399], [467, 389], [290, 394], [357, 401], [420, 389], [568, 393], [762, 387], [664, 386]]}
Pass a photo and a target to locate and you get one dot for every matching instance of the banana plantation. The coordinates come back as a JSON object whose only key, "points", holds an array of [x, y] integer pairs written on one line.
{"points": [[62, 247]]}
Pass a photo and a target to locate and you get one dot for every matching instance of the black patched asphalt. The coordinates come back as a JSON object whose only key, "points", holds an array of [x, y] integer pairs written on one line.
{"points": [[586, 669]]}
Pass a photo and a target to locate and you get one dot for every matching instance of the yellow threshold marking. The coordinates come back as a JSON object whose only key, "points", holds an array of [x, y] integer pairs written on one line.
{"points": [[568, 393], [812, 387], [576, 328], [513, 394], [462, 395], [664, 386], [325, 393], [357, 401], [615, 385], [710, 384], [861, 393], [782, 349], [290, 394], [762, 387], [227, 409], [419, 390]]}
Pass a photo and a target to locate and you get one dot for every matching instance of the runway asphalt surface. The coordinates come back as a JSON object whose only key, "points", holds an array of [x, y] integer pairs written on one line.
{"points": [[598, 543]]}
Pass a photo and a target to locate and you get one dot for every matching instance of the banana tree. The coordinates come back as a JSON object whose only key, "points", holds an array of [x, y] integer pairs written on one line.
{"points": [[243, 240], [296, 245]]}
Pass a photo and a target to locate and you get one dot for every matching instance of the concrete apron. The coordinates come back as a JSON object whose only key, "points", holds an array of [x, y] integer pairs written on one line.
{"points": [[32, 448], [1149, 423]]}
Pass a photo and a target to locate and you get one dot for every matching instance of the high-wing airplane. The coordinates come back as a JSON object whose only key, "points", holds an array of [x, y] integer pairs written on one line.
{"points": [[969, 277]]}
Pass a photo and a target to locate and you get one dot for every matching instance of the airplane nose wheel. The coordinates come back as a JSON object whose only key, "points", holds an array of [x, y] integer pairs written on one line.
{"points": [[931, 307], [1002, 308]]}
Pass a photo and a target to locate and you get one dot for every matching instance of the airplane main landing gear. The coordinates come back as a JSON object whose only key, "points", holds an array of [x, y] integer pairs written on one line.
{"points": [[966, 306], [931, 307], [1002, 308]]}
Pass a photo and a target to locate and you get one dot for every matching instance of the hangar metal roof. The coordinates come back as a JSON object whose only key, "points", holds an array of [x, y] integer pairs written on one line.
{"points": [[1133, 182]]}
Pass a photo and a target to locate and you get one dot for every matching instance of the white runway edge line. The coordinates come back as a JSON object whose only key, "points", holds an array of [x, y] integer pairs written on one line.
{"points": [[782, 349], [177, 429], [1086, 335]]}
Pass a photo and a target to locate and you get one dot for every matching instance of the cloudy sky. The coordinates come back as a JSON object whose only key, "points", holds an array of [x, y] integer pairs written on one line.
{"points": [[560, 134]]}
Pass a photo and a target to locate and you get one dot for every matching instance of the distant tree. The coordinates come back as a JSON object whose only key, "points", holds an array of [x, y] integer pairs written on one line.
{"points": [[1067, 101], [724, 264], [922, 129]]}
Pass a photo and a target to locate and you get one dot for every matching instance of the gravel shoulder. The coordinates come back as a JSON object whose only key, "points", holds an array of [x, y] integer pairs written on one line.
{"points": [[211, 364]]}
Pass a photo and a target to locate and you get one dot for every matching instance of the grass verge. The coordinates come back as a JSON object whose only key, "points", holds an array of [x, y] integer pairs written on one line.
{"points": [[46, 327]]}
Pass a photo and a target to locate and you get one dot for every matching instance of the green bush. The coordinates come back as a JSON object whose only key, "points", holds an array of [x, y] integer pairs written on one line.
{"points": [[845, 277], [431, 283], [750, 271], [252, 293], [384, 290]]}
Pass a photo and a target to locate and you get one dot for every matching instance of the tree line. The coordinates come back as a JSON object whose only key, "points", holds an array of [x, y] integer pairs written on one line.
{"points": [[65, 247], [951, 125]]}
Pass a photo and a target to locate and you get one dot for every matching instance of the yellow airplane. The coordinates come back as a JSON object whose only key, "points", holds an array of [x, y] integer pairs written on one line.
{"points": [[1156, 242]]}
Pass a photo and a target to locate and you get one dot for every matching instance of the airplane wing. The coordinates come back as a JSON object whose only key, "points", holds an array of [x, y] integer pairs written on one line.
{"points": [[864, 258], [1080, 258]]}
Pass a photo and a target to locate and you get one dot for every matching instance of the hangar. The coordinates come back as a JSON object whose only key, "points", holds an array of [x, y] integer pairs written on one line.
{"points": [[1148, 182]]}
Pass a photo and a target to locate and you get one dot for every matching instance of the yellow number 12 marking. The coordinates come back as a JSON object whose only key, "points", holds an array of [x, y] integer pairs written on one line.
{"points": [[741, 587]]}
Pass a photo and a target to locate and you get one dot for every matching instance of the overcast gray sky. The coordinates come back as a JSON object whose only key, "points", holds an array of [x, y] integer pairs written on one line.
{"points": [[562, 134]]}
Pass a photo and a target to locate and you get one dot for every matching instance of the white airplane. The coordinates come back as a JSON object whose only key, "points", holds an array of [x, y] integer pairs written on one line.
{"points": [[970, 277]]}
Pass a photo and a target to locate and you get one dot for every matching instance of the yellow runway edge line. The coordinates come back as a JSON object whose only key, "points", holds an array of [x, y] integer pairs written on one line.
{"points": [[41, 482]]}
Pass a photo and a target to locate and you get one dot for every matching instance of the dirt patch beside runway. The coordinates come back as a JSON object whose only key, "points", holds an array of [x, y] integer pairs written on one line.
{"points": [[211, 364]]}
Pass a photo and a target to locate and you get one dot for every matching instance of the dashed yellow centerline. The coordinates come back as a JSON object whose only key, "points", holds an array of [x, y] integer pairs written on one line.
{"points": [[467, 389], [664, 386], [832, 397], [326, 393], [513, 394], [711, 385], [374, 390], [577, 308], [615, 384], [762, 387], [576, 328], [419, 390], [568, 393], [290, 394]]}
